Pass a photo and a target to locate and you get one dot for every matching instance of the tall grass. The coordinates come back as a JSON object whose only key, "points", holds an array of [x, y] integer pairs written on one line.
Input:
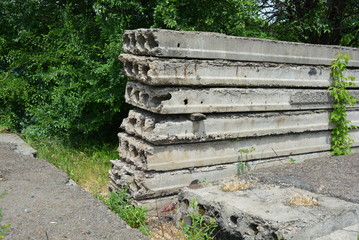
{"points": [[86, 164]]}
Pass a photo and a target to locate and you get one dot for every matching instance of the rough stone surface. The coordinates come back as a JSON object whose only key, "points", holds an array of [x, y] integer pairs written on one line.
{"points": [[265, 212], [182, 100], [204, 45], [188, 72], [169, 129], [146, 156], [41, 202]]}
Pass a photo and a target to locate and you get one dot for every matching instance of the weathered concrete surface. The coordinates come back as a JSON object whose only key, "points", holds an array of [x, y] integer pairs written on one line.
{"points": [[170, 157], [169, 129], [259, 211], [334, 176], [351, 232], [179, 100], [150, 184], [187, 72], [265, 212], [42, 203], [20, 145], [181, 44]]}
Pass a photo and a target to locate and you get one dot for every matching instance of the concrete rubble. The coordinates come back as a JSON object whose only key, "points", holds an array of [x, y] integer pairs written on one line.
{"points": [[187, 72], [207, 103], [204, 45], [183, 100]]}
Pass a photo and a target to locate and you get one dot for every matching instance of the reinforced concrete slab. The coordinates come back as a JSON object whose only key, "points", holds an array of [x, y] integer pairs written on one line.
{"points": [[161, 129], [187, 72], [151, 184], [180, 156], [265, 212], [204, 45], [178, 100]]}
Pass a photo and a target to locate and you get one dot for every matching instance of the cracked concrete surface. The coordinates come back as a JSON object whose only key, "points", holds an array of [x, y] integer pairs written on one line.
{"points": [[41, 202]]}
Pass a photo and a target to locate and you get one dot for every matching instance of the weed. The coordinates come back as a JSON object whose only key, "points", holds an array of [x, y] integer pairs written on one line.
{"points": [[87, 165], [201, 228], [341, 140], [135, 217], [292, 160], [243, 165]]}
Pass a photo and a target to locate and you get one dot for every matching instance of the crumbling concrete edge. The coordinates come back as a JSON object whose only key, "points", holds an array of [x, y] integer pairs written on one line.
{"points": [[20, 145]]}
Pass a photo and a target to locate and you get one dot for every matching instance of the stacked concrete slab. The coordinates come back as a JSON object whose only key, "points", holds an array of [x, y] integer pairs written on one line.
{"points": [[200, 97]]}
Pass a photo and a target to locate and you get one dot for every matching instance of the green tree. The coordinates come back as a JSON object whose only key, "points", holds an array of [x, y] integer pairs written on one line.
{"points": [[314, 21]]}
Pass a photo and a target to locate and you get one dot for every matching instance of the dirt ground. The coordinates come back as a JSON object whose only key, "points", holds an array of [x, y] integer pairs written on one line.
{"points": [[40, 202]]}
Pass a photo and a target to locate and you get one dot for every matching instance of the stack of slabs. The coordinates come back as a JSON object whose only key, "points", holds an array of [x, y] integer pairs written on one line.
{"points": [[204, 102]]}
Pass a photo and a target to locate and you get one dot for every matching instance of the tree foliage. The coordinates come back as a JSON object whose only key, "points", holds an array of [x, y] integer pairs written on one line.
{"points": [[59, 73]]}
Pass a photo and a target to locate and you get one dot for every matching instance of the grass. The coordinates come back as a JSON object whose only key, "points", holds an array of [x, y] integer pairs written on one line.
{"points": [[4, 228], [87, 165], [135, 217]]}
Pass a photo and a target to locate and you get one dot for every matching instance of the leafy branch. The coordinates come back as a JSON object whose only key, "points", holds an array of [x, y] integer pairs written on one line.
{"points": [[341, 139]]}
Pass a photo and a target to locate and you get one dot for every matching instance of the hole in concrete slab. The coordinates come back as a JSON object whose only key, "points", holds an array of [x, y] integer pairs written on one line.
{"points": [[185, 101], [128, 68], [254, 228], [156, 101], [145, 98], [201, 102], [135, 69], [132, 121], [234, 219], [151, 42], [129, 91], [126, 41], [178, 44], [145, 70], [186, 201], [201, 208], [133, 39], [141, 42], [134, 152], [137, 95]]}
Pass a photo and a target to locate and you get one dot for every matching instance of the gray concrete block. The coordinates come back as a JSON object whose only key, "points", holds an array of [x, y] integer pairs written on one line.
{"points": [[265, 212], [172, 157], [181, 44], [169, 129], [186, 72], [176, 100], [151, 184]]}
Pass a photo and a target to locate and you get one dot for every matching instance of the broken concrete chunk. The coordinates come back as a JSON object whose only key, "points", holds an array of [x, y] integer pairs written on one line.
{"points": [[204, 45], [161, 129], [187, 72], [179, 100], [262, 212]]}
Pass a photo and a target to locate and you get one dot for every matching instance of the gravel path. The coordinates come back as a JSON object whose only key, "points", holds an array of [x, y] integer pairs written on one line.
{"points": [[42, 203]]}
